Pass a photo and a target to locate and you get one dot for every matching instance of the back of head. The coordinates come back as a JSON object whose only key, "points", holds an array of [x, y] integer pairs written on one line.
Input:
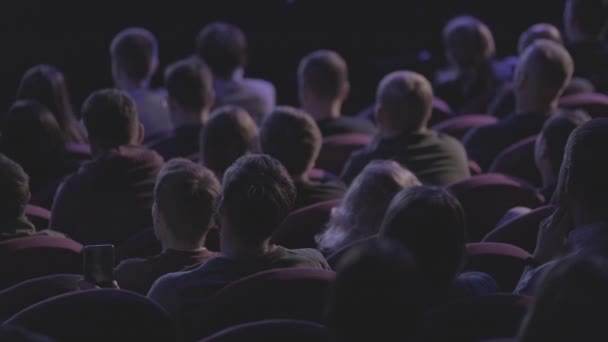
{"points": [[570, 303], [134, 53], [323, 74], [257, 195], [14, 190], [536, 32], [223, 46], [585, 18], [190, 85], [228, 135], [430, 222], [404, 102], [293, 137], [377, 294], [110, 117], [184, 196], [468, 42]]}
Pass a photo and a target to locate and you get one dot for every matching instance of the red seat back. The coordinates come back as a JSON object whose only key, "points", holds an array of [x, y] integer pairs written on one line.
{"points": [[518, 160], [504, 262], [595, 104], [460, 125], [336, 150], [39, 216]]}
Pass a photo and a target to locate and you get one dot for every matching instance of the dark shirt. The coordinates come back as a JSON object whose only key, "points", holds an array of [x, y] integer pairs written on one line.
{"points": [[435, 158], [183, 142], [138, 275], [590, 62], [311, 192], [21, 227], [345, 125], [483, 144], [109, 199]]}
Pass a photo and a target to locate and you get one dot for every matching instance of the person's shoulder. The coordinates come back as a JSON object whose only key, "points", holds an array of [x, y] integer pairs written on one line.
{"points": [[309, 257]]}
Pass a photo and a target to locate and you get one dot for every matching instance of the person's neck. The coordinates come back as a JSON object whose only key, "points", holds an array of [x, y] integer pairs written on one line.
{"points": [[185, 246], [130, 85], [549, 179], [185, 118], [237, 74], [301, 178], [238, 250], [323, 110], [387, 133], [525, 105]]}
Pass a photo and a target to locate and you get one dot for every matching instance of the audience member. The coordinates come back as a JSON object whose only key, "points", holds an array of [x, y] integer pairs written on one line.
{"points": [[230, 134], [355, 218], [109, 198], [323, 87], [403, 109], [191, 96], [223, 47], [184, 200], [541, 76], [134, 53], [293, 138]]}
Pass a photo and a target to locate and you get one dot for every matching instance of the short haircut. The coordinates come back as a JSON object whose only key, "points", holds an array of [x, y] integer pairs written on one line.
{"points": [[257, 195], [229, 134], [590, 16], [189, 83], [536, 32], [293, 137], [223, 46], [468, 42], [134, 49], [323, 73], [110, 117], [185, 195], [408, 98], [14, 190], [430, 223]]}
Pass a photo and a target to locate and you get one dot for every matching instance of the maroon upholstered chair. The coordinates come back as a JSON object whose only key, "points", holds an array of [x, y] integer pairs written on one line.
{"points": [[98, 315], [478, 318], [518, 160], [487, 197], [474, 168], [36, 256], [32, 291], [504, 262], [336, 150], [595, 104], [521, 231], [39, 216], [272, 330], [334, 259], [301, 226], [460, 125]]}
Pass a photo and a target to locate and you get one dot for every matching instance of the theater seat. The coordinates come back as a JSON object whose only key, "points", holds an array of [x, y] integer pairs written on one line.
{"points": [[274, 330], [595, 104], [39, 216], [460, 125], [518, 160], [334, 259], [336, 150], [504, 262]]}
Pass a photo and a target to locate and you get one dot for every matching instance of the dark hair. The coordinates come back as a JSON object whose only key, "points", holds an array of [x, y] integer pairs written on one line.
{"points": [[323, 72], [229, 134], [223, 46], [257, 195], [590, 15], [134, 50], [293, 137], [14, 190], [430, 222], [377, 294], [189, 83], [46, 84], [110, 117], [185, 195]]}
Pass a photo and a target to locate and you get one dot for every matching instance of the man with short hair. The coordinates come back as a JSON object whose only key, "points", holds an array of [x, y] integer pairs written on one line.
{"points": [[134, 53], [223, 47], [109, 198], [403, 109], [323, 87], [191, 97], [293, 138], [184, 201], [544, 71]]}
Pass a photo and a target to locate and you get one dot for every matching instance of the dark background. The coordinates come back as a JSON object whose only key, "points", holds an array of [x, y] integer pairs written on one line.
{"points": [[375, 37]]}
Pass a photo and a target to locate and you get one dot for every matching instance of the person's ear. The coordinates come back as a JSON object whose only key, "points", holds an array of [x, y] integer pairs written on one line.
{"points": [[210, 97], [344, 91], [379, 114], [156, 220], [153, 66], [141, 134]]}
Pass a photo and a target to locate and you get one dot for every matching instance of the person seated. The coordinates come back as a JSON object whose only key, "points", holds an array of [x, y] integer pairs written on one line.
{"points": [[229, 134], [355, 219], [473, 78], [256, 196], [430, 223], [550, 146], [33, 138], [14, 198], [134, 53], [191, 96], [46, 84], [541, 76], [323, 87], [579, 225], [223, 47], [378, 295], [293, 138], [403, 109], [184, 200], [109, 198]]}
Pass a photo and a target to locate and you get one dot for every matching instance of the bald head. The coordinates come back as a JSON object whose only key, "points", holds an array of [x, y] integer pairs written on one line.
{"points": [[536, 32], [468, 42], [403, 102]]}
